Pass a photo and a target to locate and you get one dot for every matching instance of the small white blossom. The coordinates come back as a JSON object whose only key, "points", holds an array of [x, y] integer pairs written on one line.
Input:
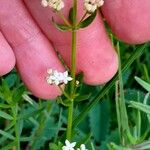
{"points": [[66, 78], [55, 4], [55, 77], [91, 5], [82, 147], [44, 3], [69, 146], [77, 82]]}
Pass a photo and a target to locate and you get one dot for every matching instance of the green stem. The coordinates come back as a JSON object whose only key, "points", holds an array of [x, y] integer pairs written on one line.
{"points": [[73, 67], [63, 91], [74, 40], [73, 71], [15, 113], [70, 120]]}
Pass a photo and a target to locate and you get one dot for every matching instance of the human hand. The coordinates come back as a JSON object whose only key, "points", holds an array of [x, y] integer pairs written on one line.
{"points": [[35, 54]]}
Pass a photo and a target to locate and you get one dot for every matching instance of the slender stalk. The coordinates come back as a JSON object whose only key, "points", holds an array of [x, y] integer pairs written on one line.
{"points": [[73, 71], [15, 113], [74, 39], [63, 18], [70, 120], [63, 91], [73, 67]]}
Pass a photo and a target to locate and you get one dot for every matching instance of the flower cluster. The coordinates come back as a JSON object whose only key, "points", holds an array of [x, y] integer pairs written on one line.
{"points": [[57, 78], [55, 4], [91, 5], [70, 146]]}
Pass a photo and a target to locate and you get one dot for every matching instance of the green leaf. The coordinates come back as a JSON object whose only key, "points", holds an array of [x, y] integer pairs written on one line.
{"points": [[84, 140], [99, 121], [27, 98], [11, 80], [142, 107], [142, 146], [113, 146], [71, 15], [87, 21], [112, 137], [82, 97], [17, 93], [134, 95], [9, 146], [4, 106], [25, 139], [122, 115], [7, 135], [10, 125], [7, 94], [144, 84], [30, 114], [61, 27], [45, 131], [54, 146], [5, 115]]}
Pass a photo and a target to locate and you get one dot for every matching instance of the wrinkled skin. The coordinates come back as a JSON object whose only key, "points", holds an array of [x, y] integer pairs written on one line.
{"points": [[129, 19], [26, 27]]}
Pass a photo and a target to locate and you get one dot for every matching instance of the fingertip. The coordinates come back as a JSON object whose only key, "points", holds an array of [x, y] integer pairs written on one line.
{"points": [[7, 58]]}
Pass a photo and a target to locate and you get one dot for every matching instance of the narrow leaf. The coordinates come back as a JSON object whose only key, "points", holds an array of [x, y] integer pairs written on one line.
{"points": [[82, 98], [144, 84], [5, 115], [142, 107], [87, 21], [61, 27], [9, 146], [71, 15], [6, 134], [143, 146]]}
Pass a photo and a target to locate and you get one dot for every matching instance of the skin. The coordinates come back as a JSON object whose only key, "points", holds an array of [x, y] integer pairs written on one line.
{"points": [[28, 30], [6, 56], [129, 19]]}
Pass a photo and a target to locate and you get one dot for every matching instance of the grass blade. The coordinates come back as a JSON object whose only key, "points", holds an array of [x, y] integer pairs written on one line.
{"points": [[5, 115], [144, 84]]}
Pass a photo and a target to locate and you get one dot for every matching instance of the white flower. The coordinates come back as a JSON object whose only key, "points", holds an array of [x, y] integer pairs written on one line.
{"points": [[55, 77], [82, 147], [44, 3], [66, 78], [69, 146], [91, 5], [55, 4]]}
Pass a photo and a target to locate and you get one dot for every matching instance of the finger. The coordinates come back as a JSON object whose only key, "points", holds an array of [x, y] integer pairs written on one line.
{"points": [[95, 54], [7, 58], [129, 19], [33, 51]]}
